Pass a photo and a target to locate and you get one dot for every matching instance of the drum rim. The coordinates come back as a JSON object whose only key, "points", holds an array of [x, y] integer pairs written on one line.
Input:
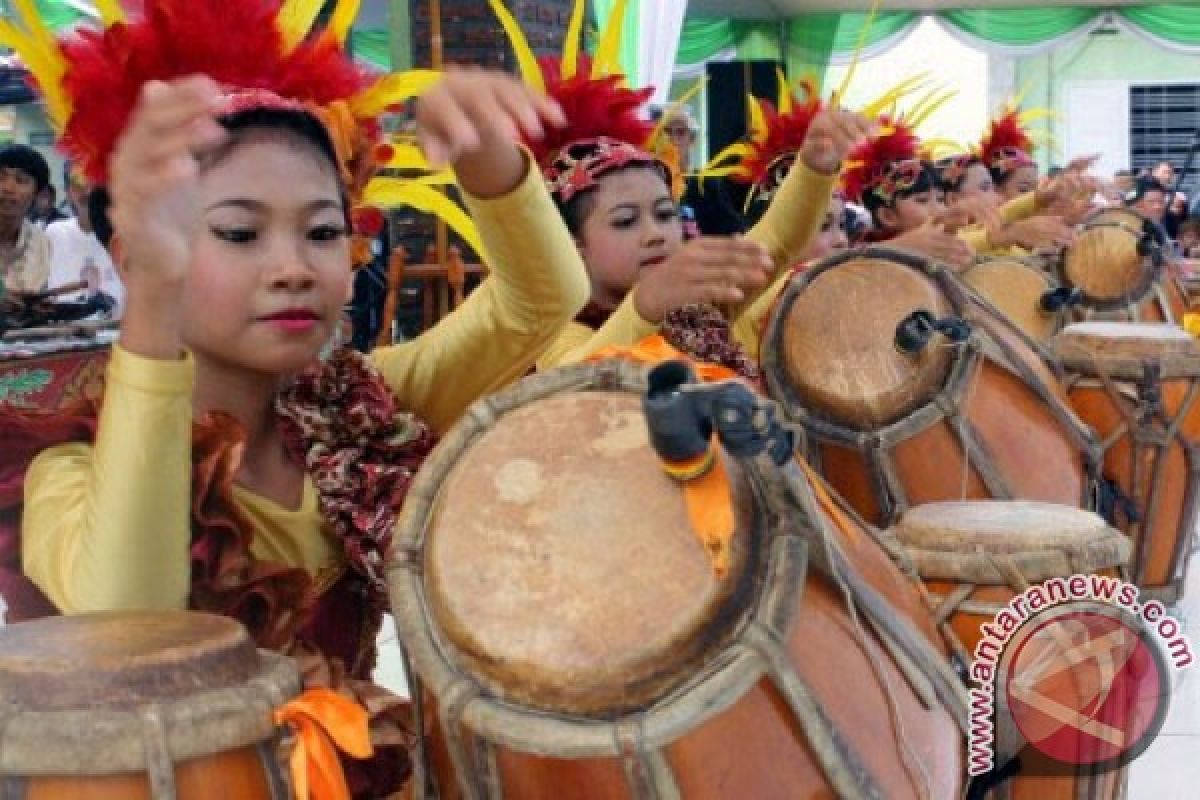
{"points": [[1084, 362], [1144, 287], [187, 728], [773, 368], [732, 669]]}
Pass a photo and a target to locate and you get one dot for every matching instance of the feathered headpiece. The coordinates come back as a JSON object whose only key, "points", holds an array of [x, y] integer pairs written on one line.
{"points": [[777, 132], [264, 53], [891, 162], [606, 128], [1007, 146]]}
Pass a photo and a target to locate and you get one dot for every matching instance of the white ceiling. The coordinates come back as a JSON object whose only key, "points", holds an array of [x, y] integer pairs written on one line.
{"points": [[770, 9]]}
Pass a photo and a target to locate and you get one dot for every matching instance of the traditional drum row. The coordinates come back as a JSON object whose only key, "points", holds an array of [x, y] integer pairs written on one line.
{"points": [[571, 636]]}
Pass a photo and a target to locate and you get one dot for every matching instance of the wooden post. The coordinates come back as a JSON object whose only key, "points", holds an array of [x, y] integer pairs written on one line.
{"points": [[456, 276], [387, 328]]}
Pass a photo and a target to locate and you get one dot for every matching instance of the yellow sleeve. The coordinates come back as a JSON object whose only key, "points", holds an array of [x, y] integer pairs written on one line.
{"points": [[789, 224], [536, 286], [576, 342], [1019, 208], [977, 237], [749, 327], [107, 526]]}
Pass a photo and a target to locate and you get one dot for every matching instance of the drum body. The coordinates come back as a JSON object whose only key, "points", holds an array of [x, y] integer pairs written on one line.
{"points": [[976, 557], [1118, 264], [981, 418], [1137, 385], [135, 705], [570, 632], [1022, 290]]}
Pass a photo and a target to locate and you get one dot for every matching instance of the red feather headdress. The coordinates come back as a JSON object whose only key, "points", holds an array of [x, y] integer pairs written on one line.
{"points": [[882, 165], [264, 53], [606, 128], [1007, 145]]}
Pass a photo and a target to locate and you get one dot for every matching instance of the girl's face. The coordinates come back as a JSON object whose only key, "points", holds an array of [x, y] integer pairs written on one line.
{"points": [[832, 236], [976, 183], [1021, 181], [271, 259], [911, 211], [633, 224]]}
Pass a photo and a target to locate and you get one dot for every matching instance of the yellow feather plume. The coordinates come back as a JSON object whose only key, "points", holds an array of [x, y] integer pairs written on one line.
{"points": [[929, 105], [860, 45], [531, 73], [890, 97], [394, 192], [296, 18], [608, 53], [758, 118], [396, 87], [110, 12], [784, 103], [40, 53], [344, 14], [574, 41]]}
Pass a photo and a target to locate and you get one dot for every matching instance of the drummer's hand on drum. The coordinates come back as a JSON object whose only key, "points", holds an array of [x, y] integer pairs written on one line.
{"points": [[1066, 190], [833, 133], [979, 210], [710, 269], [934, 240]]}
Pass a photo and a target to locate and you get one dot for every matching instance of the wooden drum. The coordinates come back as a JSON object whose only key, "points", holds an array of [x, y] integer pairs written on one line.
{"points": [[574, 641], [1137, 385], [971, 410], [1118, 263], [136, 705], [1023, 291], [975, 558]]}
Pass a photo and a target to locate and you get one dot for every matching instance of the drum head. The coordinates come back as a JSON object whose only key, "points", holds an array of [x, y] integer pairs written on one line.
{"points": [[1105, 262], [121, 659], [1124, 349], [958, 540], [560, 563], [835, 343], [1016, 290]]}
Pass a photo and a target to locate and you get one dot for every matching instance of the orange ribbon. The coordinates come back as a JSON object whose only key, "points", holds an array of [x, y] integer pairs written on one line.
{"points": [[706, 490], [324, 722]]}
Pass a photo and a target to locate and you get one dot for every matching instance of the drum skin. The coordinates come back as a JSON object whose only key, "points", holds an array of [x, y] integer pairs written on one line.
{"points": [[88, 681], [1016, 289], [986, 419], [1146, 475], [557, 520]]}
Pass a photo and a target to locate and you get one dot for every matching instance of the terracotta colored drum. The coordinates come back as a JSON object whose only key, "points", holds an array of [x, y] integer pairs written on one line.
{"points": [[896, 412], [976, 557], [575, 642], [1137, 385], [1023, 291], [135, 705], [1118, 264]]}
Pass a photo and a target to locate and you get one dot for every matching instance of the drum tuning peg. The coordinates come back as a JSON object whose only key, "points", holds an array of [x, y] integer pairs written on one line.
{"points": [[1056, 300], [915, 331]]}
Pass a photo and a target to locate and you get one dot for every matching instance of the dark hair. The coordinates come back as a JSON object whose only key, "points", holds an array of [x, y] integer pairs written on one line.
{"points": [[927, 182], [300, 125], [98, 203], [952, 171], [29, 161], [1142, 187]]}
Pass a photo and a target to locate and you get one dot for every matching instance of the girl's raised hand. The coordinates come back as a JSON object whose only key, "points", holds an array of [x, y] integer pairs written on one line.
{"points": [[154, 175], [709, 269], [832, 134]]}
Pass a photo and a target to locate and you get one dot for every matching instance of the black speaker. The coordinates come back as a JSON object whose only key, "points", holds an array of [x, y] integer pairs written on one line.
{"points": [[719, 203], [728, 84]]}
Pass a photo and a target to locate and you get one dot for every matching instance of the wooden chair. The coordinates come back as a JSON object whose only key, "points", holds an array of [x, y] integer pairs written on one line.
{"points": [[443, 286]]}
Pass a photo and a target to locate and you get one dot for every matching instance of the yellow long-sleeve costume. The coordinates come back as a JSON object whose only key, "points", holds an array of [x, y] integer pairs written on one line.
{"points": [[790, 222], [1014, 210], [106, 526]]}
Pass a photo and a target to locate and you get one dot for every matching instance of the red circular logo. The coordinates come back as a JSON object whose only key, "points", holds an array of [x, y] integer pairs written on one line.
{"points": [[1085, 685]]}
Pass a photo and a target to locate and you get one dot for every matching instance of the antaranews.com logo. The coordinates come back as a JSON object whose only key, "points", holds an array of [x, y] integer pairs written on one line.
{"points": [[1077, 669]]}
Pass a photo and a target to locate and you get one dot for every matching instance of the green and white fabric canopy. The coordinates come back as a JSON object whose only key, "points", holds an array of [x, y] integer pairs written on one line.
{"points": [[830, 37]]}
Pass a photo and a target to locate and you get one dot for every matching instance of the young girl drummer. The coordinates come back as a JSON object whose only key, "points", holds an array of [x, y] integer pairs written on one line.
{"points": [[228, 470]]}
